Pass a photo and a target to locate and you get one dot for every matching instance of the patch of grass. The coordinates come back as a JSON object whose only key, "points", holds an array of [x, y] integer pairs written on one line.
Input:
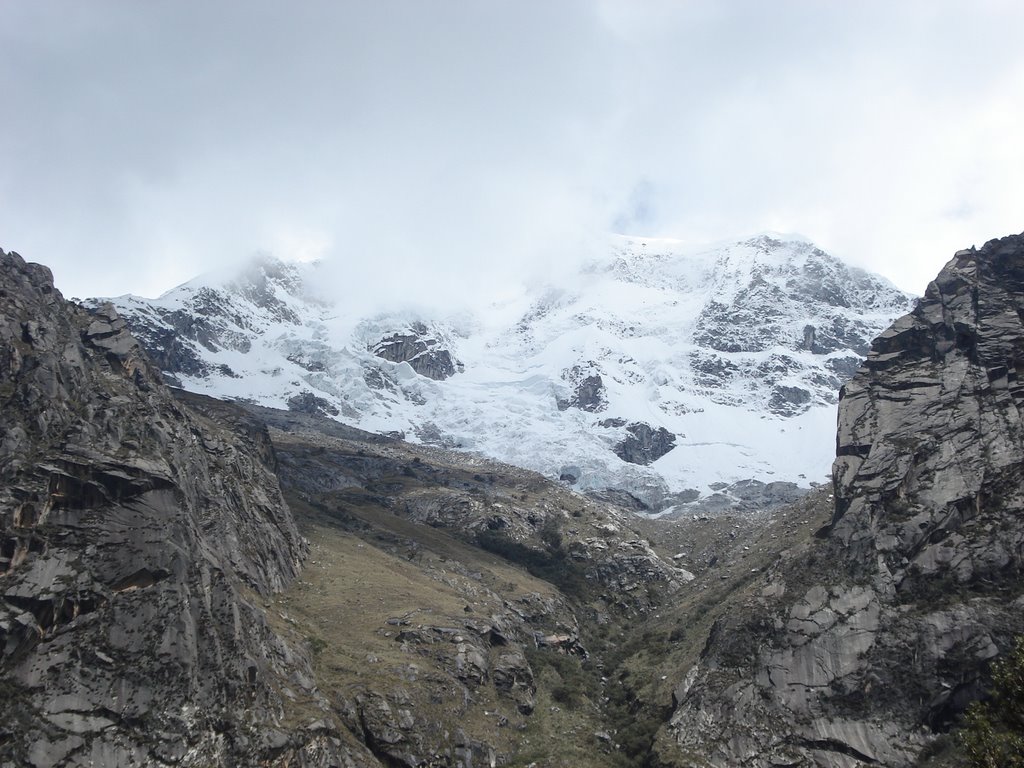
{"points": [[355, 579], [571, 685], [993, 732], [552, 565], [316, 644], [557, 736]]}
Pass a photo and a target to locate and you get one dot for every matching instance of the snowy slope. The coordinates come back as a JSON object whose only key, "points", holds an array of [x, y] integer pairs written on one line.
{"points": [[715, 365]]}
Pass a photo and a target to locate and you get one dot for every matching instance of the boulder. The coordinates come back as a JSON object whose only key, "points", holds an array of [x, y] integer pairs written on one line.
{"points": [[644, 444], [421, 349]]}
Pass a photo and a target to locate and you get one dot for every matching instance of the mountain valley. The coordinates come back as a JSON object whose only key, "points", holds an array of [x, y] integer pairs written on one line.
{"points": [[187, 580]]}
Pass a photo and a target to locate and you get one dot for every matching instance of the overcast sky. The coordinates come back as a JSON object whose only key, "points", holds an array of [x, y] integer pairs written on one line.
{"points": [[424, 144]]}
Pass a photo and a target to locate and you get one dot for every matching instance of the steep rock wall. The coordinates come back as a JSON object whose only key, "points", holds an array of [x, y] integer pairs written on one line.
{"points": [[931, 440], [131, 530]]}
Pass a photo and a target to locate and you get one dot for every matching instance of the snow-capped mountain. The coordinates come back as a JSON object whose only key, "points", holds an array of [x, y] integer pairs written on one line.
{"points": [[665, 371]]}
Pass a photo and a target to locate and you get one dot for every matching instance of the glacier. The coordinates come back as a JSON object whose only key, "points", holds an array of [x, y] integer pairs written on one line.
{"points": [[729, 355]]}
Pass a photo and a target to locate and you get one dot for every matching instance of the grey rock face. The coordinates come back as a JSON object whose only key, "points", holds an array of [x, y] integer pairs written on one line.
{"points": [[130, 529], [307, 402], [421, 350], [858, 651], [931, 440], [588, 390], [750, 496], [644, 444]]}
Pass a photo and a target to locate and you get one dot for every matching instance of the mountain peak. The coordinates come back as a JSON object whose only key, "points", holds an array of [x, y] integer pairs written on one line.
{"points": [[710, 364], [775, 238], [260, 272]]}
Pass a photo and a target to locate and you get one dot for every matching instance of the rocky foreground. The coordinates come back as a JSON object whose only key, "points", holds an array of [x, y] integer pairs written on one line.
{"points": [[187, 582], [136, 536]]}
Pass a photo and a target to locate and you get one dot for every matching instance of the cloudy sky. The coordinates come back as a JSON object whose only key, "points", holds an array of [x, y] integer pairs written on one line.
{"points": [[422, 145]]}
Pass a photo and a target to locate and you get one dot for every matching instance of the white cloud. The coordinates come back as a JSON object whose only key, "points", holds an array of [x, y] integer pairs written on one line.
{"points": [[450, 148]]}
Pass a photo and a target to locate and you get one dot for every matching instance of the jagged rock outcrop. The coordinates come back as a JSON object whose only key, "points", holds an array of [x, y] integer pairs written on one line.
{"points": [[588, 390], [644, 444], [931, 434], [131, 531], [421, 350], [860, 649], [307, 402]]}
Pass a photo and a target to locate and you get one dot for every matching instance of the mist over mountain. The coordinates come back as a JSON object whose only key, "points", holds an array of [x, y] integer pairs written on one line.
{"points": [[668, 372]]}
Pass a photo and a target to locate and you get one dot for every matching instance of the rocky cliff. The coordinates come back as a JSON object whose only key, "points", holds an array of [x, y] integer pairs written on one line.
{"points": [[861, 647], [135, 536]]}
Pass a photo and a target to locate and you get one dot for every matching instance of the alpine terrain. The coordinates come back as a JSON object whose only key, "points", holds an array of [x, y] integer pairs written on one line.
{"points": [[246, 580], [671, 374]]}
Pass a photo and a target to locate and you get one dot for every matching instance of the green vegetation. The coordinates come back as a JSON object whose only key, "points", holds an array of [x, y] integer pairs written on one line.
{"points": [[993, 733], [316, 644], [552, 564], [571, 684], [635, 726]]}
